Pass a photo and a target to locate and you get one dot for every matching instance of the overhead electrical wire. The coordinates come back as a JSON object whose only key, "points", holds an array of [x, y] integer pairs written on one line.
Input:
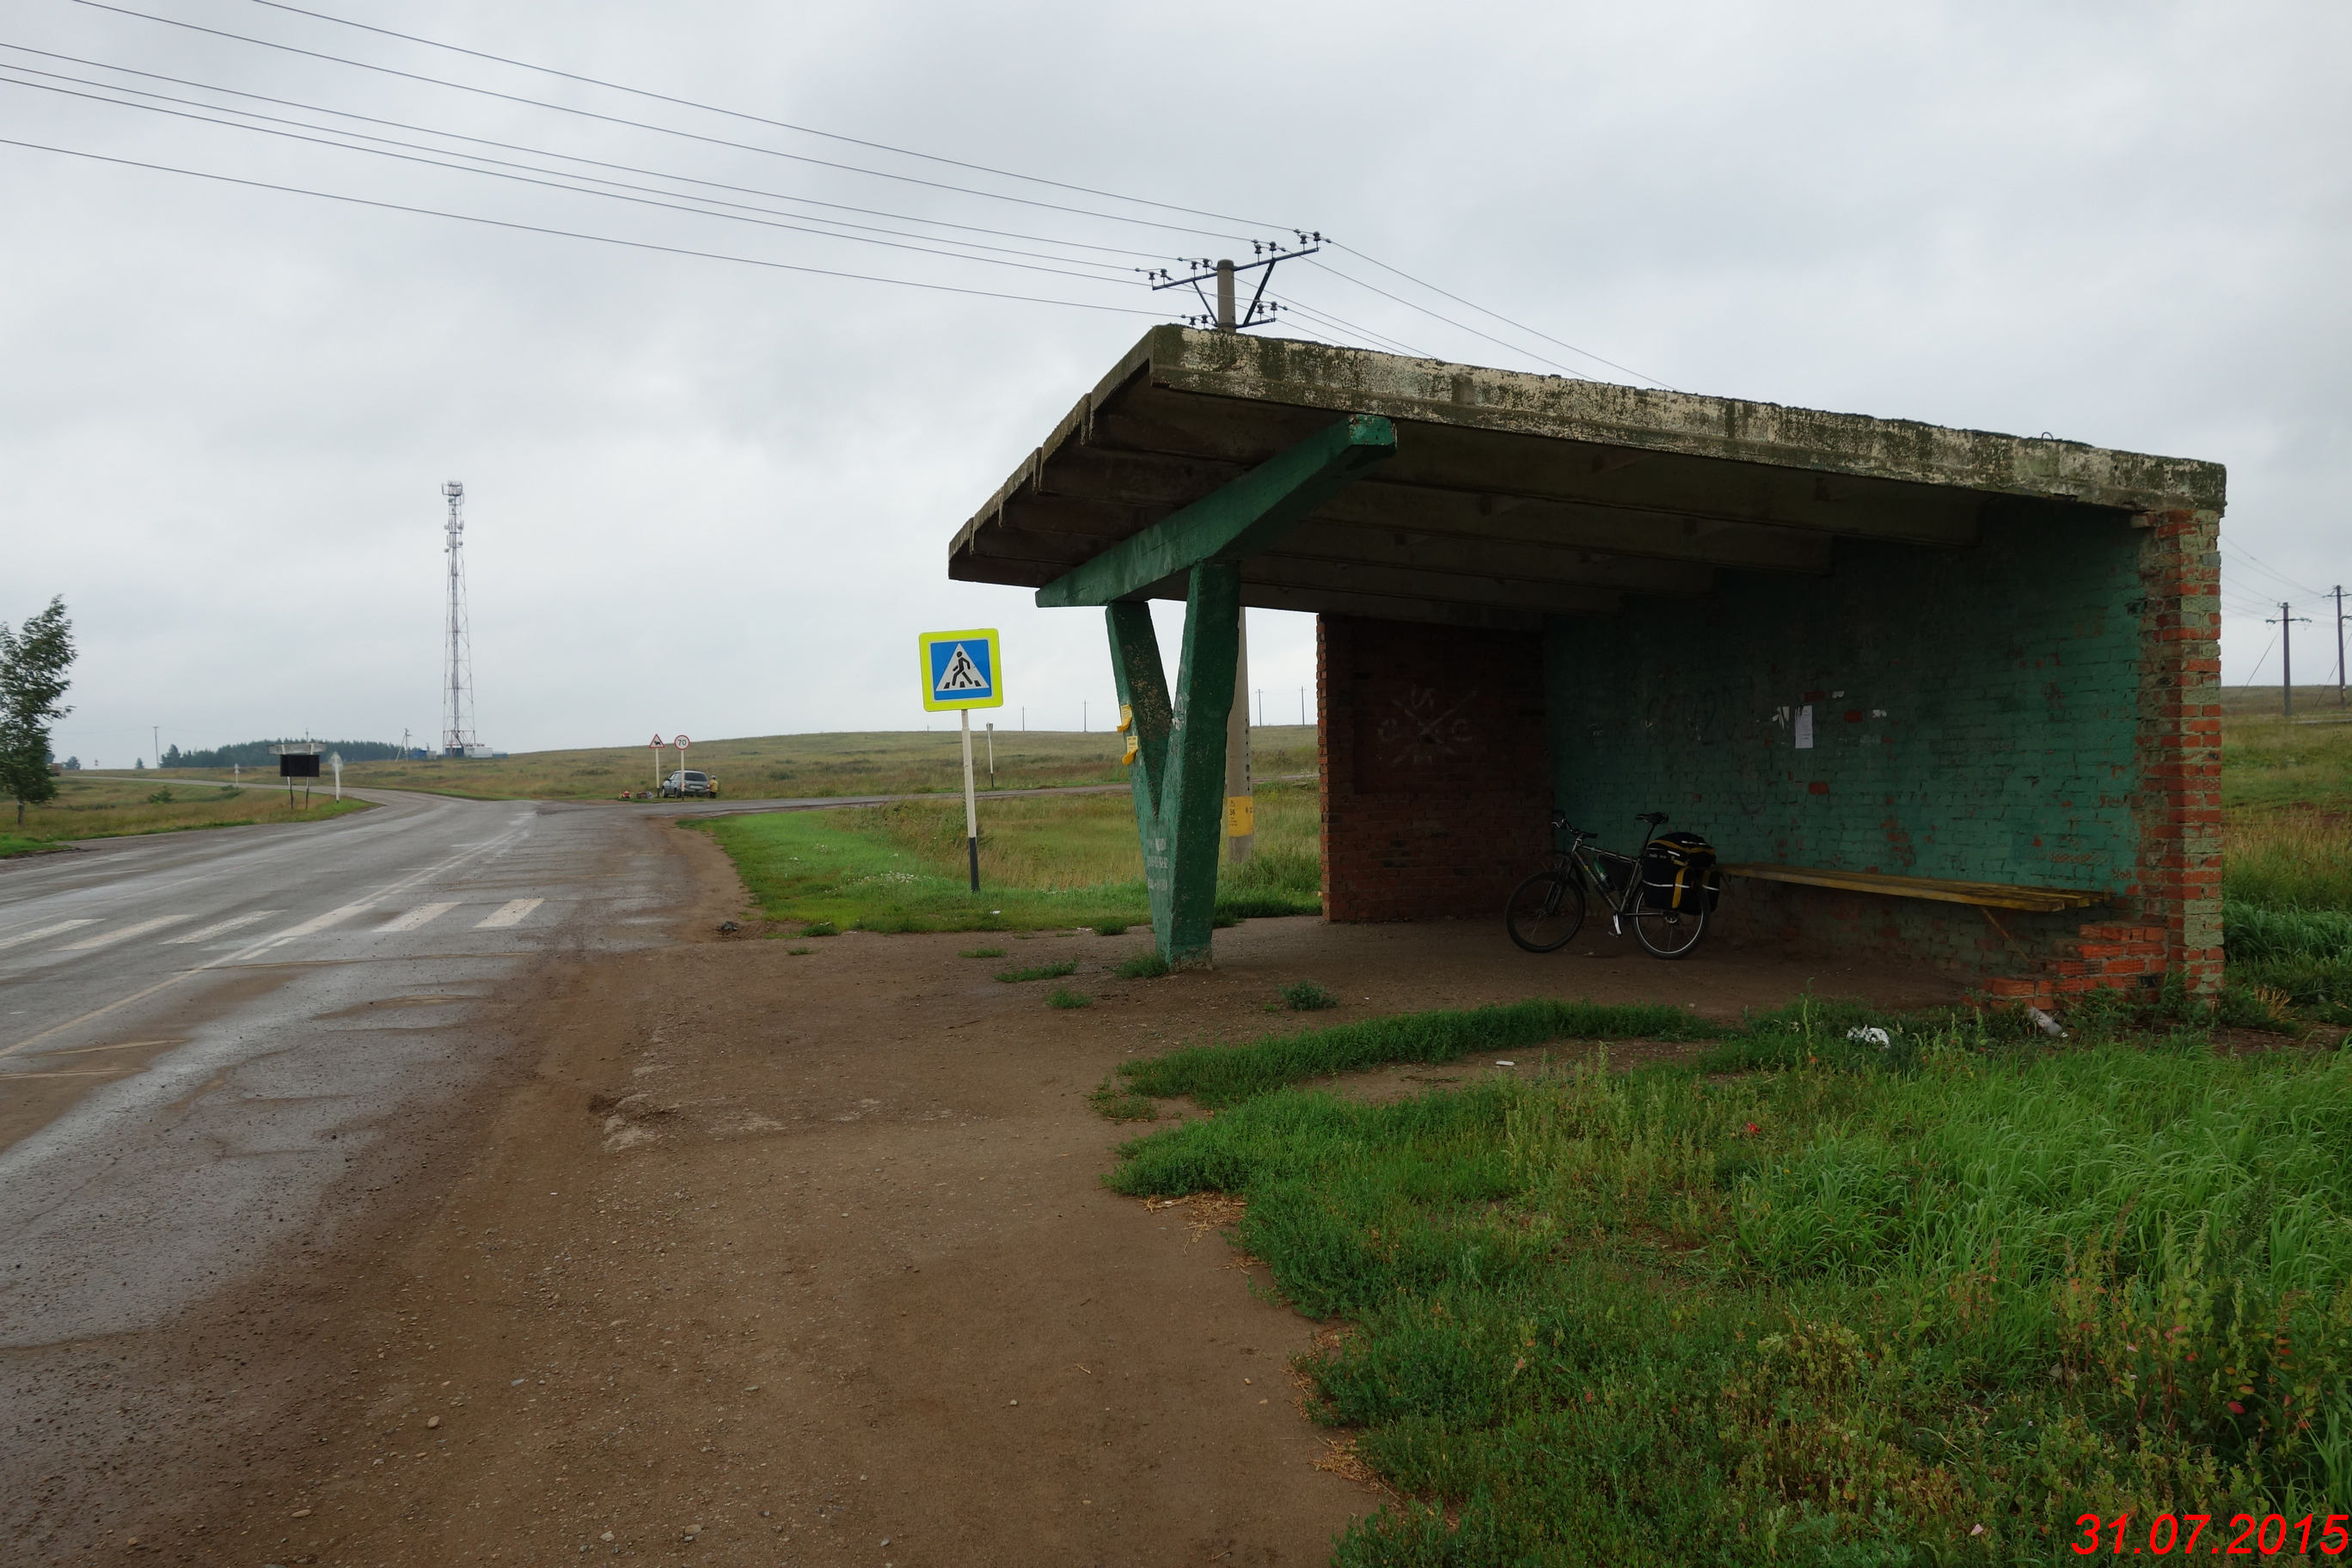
{"points": [[661, 130], [556, 184], [574, 234], [849, 168], [1290, 303], [762, 120], [1482, 310], [2272, 573], [2257, 668], [977, 168], [546, 152]]}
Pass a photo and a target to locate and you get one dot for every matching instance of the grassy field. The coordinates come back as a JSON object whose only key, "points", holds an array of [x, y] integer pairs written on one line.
{"points": [[1045, 863], [100, 805], [1920, 1303], [798, 766], [2286, 792]]}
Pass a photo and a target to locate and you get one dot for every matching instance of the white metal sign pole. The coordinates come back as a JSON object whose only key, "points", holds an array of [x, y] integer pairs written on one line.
{"points": [[970, 807]]}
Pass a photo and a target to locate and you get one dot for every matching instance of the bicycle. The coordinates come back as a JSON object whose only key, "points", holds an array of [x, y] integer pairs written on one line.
{"points": [[1547, 910]]}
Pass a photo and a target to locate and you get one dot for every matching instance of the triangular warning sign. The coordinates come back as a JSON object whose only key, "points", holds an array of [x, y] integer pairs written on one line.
{"points": [[962, 674]]}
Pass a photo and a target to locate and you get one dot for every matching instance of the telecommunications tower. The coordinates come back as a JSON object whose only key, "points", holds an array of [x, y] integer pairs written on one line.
{"points": [[458, 739]]}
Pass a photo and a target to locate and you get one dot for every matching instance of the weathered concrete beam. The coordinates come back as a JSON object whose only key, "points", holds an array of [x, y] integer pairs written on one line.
{"points": [[1442, 587], [1099, 489], [1476, 462], [1233, 366], [1240, 518]]}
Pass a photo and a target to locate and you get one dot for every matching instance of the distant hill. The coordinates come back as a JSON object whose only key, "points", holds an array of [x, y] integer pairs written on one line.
{"points": [[257, 755]]}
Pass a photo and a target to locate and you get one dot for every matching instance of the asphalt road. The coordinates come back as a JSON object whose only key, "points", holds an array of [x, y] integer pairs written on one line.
{"points": [[199, 1032], [202, 1032]]}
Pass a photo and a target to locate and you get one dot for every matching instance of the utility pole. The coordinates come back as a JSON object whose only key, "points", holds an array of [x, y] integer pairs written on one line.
{"points": [[2339, 644], [2286, 623], [157, 733]]}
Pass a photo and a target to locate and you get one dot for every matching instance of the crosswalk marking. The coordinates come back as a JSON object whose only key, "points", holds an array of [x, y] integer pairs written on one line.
{"points": [[321, 922], [123, 934], [422, 915], [220, 927], [25, 936], [510, 913]]}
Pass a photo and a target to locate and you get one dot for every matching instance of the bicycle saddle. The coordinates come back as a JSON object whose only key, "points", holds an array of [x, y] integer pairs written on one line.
{"points": [[1652, 817]]}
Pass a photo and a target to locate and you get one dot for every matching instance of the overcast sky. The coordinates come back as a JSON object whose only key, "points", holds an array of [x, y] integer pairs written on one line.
{"points": [[716, 497]]}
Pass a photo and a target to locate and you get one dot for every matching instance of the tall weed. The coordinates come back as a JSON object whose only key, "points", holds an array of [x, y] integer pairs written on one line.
{"points": [[1898, 1307]]}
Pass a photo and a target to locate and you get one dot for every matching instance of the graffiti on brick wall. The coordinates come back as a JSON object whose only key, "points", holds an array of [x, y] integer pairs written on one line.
{"points": [[1422, 728]]}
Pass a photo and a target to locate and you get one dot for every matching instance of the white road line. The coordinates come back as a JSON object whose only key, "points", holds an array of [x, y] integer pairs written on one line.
{"points": [[318, 924], [423, 914], [253, 949], [124, 933], [45, 931], [510, 913], [220, 927]]}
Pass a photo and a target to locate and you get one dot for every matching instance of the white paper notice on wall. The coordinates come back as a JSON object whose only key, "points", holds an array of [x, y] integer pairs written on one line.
{"points": [[1805, 727]]}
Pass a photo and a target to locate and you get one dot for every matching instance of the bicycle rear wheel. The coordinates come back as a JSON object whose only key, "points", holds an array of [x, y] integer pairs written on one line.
{"points": [[1544, 912], [1663, 933]]}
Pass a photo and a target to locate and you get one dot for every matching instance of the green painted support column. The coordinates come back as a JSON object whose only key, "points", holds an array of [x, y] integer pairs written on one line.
{"points": [[1179, 738], [1179, 766]]}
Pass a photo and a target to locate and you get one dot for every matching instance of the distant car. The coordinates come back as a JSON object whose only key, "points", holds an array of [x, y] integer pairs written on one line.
{"points": [[687, 782]]}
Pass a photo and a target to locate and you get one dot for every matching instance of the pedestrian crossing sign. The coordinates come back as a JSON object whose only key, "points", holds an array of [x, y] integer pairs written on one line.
{"points": [[960, 670]]}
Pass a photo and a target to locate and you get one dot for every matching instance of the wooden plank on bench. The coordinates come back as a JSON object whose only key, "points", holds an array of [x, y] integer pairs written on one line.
{"points": [[1991, 895]]}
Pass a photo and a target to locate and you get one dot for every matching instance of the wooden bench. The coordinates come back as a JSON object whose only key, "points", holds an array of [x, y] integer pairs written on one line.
{"points": [[1984, 895]]}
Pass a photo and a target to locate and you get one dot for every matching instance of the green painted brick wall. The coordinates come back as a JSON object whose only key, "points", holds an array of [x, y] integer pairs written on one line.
{"points": [[1973, 710]]}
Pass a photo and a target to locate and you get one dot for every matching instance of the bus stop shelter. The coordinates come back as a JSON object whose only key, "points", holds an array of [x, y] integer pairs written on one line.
{"points": [[1937, 691]]}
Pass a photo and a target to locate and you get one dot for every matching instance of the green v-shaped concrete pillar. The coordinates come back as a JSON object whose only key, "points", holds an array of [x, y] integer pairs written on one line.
{"points": [[1179, 737]]}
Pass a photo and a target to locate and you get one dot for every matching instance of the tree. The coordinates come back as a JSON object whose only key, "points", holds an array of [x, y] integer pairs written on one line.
{"points": [[33, 659]]}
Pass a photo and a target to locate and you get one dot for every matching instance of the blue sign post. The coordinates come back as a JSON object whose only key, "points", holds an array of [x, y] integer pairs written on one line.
{"points": [[962, 670]]}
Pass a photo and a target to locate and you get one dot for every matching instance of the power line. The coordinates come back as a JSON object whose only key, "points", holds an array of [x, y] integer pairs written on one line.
{"points": [[1365, 333], [779, 124], [2260, 662], [556, 184], [536, 152], [646, 125], [1482, 310], [876, 174], [574, 234], [2272, 572], [1457, 326]]}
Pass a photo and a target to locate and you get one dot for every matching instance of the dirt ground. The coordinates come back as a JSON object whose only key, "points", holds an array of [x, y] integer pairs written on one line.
{"points": [[760, 1257]]}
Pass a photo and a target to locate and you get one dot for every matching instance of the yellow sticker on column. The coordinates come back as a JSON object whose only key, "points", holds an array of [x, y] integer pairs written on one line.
{"points": [[1240, 815]]}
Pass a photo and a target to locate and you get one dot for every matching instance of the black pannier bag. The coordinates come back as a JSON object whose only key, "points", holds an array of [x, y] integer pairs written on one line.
{"points": [[1679, 871]]}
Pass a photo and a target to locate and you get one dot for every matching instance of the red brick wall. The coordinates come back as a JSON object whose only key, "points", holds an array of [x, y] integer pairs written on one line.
{"points": [[2179, 799], [1436, 785]]}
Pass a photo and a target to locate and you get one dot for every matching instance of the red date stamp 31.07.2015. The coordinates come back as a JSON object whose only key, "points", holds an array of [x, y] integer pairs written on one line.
{"points": [[2244, 1536]]}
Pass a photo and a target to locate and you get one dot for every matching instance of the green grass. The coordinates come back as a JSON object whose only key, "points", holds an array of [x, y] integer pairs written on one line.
{"points": [[1217, 1076], [1305, 996], [111, 805], [1046, 863], [2269, 764], [1915, 1304], [1142, 966], [982, 952], [1065, 997], [802, 766], [1038, 972]]}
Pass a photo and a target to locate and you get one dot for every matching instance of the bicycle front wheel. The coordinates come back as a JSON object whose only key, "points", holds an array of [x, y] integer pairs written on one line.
{"points": [[1544, 912], [1667, 932]]}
